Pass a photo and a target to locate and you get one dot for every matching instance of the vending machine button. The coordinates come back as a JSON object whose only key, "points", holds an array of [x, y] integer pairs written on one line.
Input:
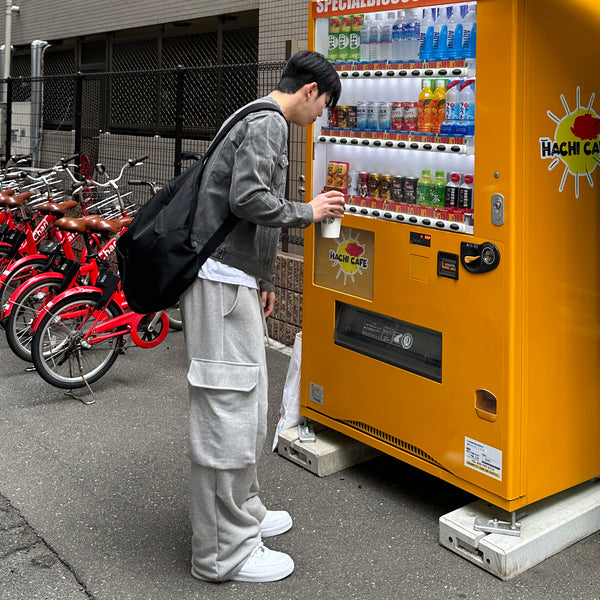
{"points": [[441, 148], [344, 74], [403, 73], [416, 72], [354, 141]]}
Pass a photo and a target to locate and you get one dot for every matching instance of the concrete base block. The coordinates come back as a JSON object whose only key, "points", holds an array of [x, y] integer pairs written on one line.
{"points": [[330, 453], [546, 528]]}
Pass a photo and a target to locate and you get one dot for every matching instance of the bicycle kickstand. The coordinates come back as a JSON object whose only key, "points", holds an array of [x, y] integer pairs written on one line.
{"points": [[87, 385]]}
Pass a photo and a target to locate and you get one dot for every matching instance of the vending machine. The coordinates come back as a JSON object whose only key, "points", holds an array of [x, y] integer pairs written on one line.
{"points": [[454, 322]]}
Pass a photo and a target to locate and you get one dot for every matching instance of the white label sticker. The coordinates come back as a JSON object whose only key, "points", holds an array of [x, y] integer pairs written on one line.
{"points": [[483, 458]]}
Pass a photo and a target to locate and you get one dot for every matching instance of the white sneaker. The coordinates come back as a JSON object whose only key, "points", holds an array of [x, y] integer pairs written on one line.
{"points": [[265, 565], [275, 522]]}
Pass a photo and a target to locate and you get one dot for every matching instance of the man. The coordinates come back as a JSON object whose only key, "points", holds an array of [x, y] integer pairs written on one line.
{"points": [[224, 321]]}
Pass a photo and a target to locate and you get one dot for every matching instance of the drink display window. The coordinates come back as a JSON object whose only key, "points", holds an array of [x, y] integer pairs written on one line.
{"points": [[401, 141]]}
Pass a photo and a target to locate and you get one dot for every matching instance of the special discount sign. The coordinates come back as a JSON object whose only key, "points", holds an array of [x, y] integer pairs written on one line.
{"points": [[327, 8]]}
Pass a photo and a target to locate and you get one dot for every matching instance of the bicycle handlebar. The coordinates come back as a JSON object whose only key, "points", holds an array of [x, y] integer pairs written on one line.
{"points": [[134, 161]]}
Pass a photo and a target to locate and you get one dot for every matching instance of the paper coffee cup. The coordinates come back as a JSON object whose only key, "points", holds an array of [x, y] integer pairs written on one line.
{"points": [[331, 227]]}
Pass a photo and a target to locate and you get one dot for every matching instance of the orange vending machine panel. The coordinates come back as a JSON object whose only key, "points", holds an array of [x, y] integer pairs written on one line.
{"points": [[454, 321]]}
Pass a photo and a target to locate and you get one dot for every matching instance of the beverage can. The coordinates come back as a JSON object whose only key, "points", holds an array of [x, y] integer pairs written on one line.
{"points": [[410, 190], [375, 185], [361, 114], [342, 115], [352, 117], [373, 115], [363, 184], [398, 188], [385, 187], [385, 116], [411, 116], [332, 116], [353, 183], [397, 116]]}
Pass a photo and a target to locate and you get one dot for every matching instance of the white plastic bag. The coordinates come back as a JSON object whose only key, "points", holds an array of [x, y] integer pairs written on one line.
{"points": [[289, 413]]}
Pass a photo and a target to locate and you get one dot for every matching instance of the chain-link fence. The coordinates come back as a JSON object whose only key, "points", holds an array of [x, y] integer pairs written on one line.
{"points": [[111, 117]]}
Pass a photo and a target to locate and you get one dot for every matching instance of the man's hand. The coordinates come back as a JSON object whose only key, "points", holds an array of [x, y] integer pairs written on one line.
{"points": [[327, 204], [268, 302]]}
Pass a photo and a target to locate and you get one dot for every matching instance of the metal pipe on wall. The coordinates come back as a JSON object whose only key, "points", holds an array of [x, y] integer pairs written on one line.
{"points": [[37, 53]]}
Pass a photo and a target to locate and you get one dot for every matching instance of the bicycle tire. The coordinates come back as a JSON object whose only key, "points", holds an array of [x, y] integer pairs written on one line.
{"points": [[174, 316], [18, 277], [26, 307], [56, 349]]}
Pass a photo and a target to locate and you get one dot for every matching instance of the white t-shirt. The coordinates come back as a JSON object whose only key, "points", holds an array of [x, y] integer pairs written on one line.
{"points": [[218, 271]]}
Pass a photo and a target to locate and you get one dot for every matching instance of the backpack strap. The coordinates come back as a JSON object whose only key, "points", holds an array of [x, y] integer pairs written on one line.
{"points": [[221, 233]]}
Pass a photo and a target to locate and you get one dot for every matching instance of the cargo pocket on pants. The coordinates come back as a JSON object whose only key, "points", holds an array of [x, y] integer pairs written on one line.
{"points": [[223, 413]]}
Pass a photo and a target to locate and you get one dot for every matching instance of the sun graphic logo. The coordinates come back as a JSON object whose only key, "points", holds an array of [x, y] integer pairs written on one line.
{"points": [[349, 257], [576, 142]]}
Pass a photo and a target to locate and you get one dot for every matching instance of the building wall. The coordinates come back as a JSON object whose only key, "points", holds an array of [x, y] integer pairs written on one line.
{"points": [[47, 19]]}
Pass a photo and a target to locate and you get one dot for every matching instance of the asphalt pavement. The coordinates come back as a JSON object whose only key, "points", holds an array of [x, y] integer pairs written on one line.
{"points": [[94, 505]]}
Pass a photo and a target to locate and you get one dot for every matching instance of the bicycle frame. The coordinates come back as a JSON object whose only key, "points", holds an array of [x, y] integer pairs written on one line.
{"points": [[101, 330]]}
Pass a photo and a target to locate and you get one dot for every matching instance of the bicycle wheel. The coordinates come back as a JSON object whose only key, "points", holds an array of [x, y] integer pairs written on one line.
{"points": [[63, 353], [174, 315], [18, 276], [26, 307]]}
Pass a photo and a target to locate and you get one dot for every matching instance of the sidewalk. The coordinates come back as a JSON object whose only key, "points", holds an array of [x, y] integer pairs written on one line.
{"points": [[93, 504]]}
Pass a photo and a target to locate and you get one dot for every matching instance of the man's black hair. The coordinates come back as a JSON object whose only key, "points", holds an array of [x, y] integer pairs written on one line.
{"points": [[305, 67]]}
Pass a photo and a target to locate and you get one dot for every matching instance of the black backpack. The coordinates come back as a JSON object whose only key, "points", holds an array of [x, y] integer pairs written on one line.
{"points": [[157, 259]]}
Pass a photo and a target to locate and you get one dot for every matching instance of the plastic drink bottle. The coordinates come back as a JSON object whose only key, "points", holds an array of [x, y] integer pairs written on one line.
{"points": [[452, 107], [439, 105], [375, 37], [344, 37], [469, 39], [425, 103], [385, 38], [465, 192], [365, 39], [440, 42], [355, 29], [424, 188], [438, 189], [397, 40], [452, 187], [333, 53], [411, 35], [455, 48], [466, 118], [427, 35]]}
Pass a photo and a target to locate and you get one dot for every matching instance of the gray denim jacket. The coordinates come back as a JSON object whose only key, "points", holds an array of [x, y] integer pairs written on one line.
{"points": [[246, 174]]}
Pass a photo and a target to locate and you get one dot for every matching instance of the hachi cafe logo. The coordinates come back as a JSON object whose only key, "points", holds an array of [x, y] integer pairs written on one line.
{"points": [[349, 257], [576, 142]]}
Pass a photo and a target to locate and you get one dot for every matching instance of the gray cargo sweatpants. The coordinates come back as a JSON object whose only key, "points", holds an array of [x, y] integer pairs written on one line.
{"points": [[227, 382]]}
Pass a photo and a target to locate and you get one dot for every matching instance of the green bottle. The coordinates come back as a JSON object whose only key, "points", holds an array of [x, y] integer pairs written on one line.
{"points": [[424, 188], [438, 189]]}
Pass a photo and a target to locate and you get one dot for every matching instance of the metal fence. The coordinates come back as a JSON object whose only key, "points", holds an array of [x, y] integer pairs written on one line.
{"points": [[111, 117]]}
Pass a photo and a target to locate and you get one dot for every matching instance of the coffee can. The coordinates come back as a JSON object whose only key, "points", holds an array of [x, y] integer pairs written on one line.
{"points": [[375, 185], [363, 184], [353, 184], [342, 115], [332, 116], [352, 117], [398, 188], [410, 189], [386, 187]]}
